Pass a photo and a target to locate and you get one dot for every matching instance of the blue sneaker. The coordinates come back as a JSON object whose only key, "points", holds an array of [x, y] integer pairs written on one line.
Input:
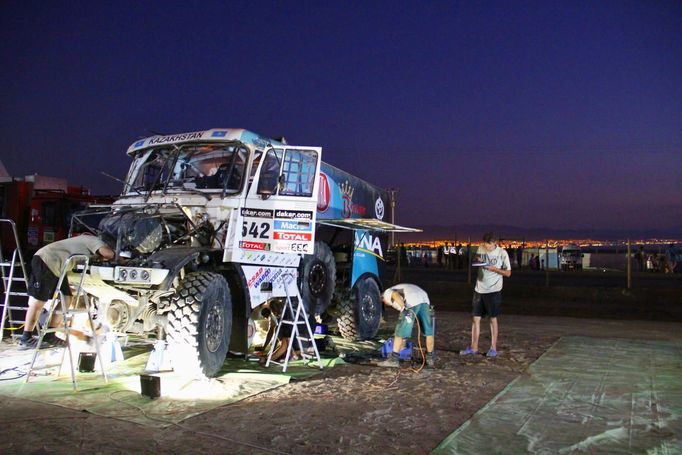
{"points": [[468, 351], [491, 353]]}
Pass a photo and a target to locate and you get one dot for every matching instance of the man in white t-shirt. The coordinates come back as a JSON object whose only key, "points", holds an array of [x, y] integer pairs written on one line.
{"points": [[414, 305], [493, 266]]}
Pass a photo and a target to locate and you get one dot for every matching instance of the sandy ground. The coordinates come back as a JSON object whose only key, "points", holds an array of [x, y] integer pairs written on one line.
{"points": [[358, 409]]}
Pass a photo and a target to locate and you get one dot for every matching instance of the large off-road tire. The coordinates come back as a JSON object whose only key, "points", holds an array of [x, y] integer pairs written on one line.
{"points": [[317, 278], [200, 324], [359, 316]]}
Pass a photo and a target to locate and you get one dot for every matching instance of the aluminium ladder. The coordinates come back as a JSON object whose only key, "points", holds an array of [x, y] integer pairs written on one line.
{"points": [[83, 261], [300, 317], [15, 286]]}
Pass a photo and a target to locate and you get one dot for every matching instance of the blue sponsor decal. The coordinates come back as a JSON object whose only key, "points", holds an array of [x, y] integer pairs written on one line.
{"points": [[219, 134], [286, 225], [366, 254], [257, 140], [139, 143]]}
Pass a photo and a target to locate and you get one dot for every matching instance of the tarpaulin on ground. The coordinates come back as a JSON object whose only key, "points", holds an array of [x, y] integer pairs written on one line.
{"points": [[584, 394], [181, 396]]}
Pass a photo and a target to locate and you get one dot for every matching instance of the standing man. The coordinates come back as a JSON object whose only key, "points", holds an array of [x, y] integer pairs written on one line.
{"points": [[453, 256], [46, 267], [639, 257], [413, 303], [460, 256], [671, 259], [439, 256], [488, 291]]}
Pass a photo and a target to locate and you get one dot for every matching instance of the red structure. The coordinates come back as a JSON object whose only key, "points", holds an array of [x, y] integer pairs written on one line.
{"points": [[42, 208]]}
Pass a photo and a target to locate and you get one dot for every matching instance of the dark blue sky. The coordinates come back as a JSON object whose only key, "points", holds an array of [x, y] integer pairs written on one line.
{"points": [[554, 114]]}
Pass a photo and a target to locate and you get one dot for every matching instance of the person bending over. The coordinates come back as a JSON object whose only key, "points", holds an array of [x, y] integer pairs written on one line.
{"points": [[46, 266], [413, 304]]}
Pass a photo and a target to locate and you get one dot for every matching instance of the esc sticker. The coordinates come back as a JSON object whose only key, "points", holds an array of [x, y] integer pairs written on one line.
{"points": [[293, 231]]}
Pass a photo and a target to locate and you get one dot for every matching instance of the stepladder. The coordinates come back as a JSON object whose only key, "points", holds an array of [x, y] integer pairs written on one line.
{"points": [[294, 316], [61, 307], [14, 280]]}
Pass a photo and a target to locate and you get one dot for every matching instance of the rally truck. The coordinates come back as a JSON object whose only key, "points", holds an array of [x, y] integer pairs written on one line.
{"points": [[209, 225]]}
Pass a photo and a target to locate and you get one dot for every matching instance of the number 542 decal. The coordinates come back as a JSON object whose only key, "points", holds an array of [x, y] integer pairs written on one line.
{"points": [[256, 230]]}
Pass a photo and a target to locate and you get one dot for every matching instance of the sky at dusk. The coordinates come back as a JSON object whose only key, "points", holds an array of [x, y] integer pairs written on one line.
{"points": [[534, 114]]}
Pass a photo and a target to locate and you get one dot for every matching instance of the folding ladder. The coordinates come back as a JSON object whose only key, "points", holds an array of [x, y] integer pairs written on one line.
{"points": [[82, 262], [300, 317], [13, 272]]}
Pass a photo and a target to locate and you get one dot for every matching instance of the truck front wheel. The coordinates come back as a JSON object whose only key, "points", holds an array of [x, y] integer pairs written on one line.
{"points": [[359, 316], [200, 324]]}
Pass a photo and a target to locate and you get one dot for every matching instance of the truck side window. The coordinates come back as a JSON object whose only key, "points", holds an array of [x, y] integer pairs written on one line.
{"points": [[299, 172], [254, 167], [269, 173]]}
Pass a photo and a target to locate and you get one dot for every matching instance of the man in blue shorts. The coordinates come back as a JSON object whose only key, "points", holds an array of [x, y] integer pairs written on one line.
{"points": [[413, 304], [494, 265]]}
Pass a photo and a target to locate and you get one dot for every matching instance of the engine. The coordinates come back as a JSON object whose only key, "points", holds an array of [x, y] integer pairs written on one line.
{"points": [[140, 233]]}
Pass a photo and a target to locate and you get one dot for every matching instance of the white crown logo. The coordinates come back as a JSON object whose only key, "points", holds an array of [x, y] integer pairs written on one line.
{"points": [[347, 189]]}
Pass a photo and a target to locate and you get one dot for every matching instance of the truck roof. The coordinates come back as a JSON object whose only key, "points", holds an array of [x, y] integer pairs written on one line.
{"points": [[214, 134]]}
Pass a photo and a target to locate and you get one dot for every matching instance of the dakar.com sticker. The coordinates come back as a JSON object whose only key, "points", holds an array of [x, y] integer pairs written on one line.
{"points": [[294, 214]]}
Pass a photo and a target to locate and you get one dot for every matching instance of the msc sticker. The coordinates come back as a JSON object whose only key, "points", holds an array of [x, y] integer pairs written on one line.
{"points": [[281, 225]]}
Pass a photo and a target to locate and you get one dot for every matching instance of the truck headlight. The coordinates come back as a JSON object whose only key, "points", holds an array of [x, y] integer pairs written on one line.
{"points": [[133, 275]]}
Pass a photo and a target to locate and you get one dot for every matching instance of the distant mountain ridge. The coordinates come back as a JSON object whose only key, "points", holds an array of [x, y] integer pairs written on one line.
{"points": [[463, 231]]}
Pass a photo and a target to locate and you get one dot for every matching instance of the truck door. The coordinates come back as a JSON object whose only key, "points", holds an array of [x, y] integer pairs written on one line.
{"points": [[280, 207]]}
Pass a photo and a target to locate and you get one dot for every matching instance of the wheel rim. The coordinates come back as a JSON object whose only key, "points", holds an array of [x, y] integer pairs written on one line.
{"points": [[317, 278], [368, 308], [215, 325]]}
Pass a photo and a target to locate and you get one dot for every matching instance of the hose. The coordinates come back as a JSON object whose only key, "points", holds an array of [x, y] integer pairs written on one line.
{"points": [[419, 342]]}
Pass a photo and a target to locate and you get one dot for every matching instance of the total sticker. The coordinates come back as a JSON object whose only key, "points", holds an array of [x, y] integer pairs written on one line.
{"points": [[295, 236], [254, 246]]}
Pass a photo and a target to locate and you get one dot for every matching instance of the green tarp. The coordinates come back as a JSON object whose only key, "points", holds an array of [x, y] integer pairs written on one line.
{"points": [[181, 396], [584, 395]]}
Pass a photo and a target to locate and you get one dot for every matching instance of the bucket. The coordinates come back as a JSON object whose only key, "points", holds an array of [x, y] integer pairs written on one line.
{"points": [[150, 386], [86, 362]]}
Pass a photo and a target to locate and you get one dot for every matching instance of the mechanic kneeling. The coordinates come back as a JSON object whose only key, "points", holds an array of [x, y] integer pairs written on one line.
{"points": [[413, 304]]}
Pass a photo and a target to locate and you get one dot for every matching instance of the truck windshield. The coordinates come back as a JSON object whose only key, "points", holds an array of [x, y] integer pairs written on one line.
{"points": [[209, 167]]}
